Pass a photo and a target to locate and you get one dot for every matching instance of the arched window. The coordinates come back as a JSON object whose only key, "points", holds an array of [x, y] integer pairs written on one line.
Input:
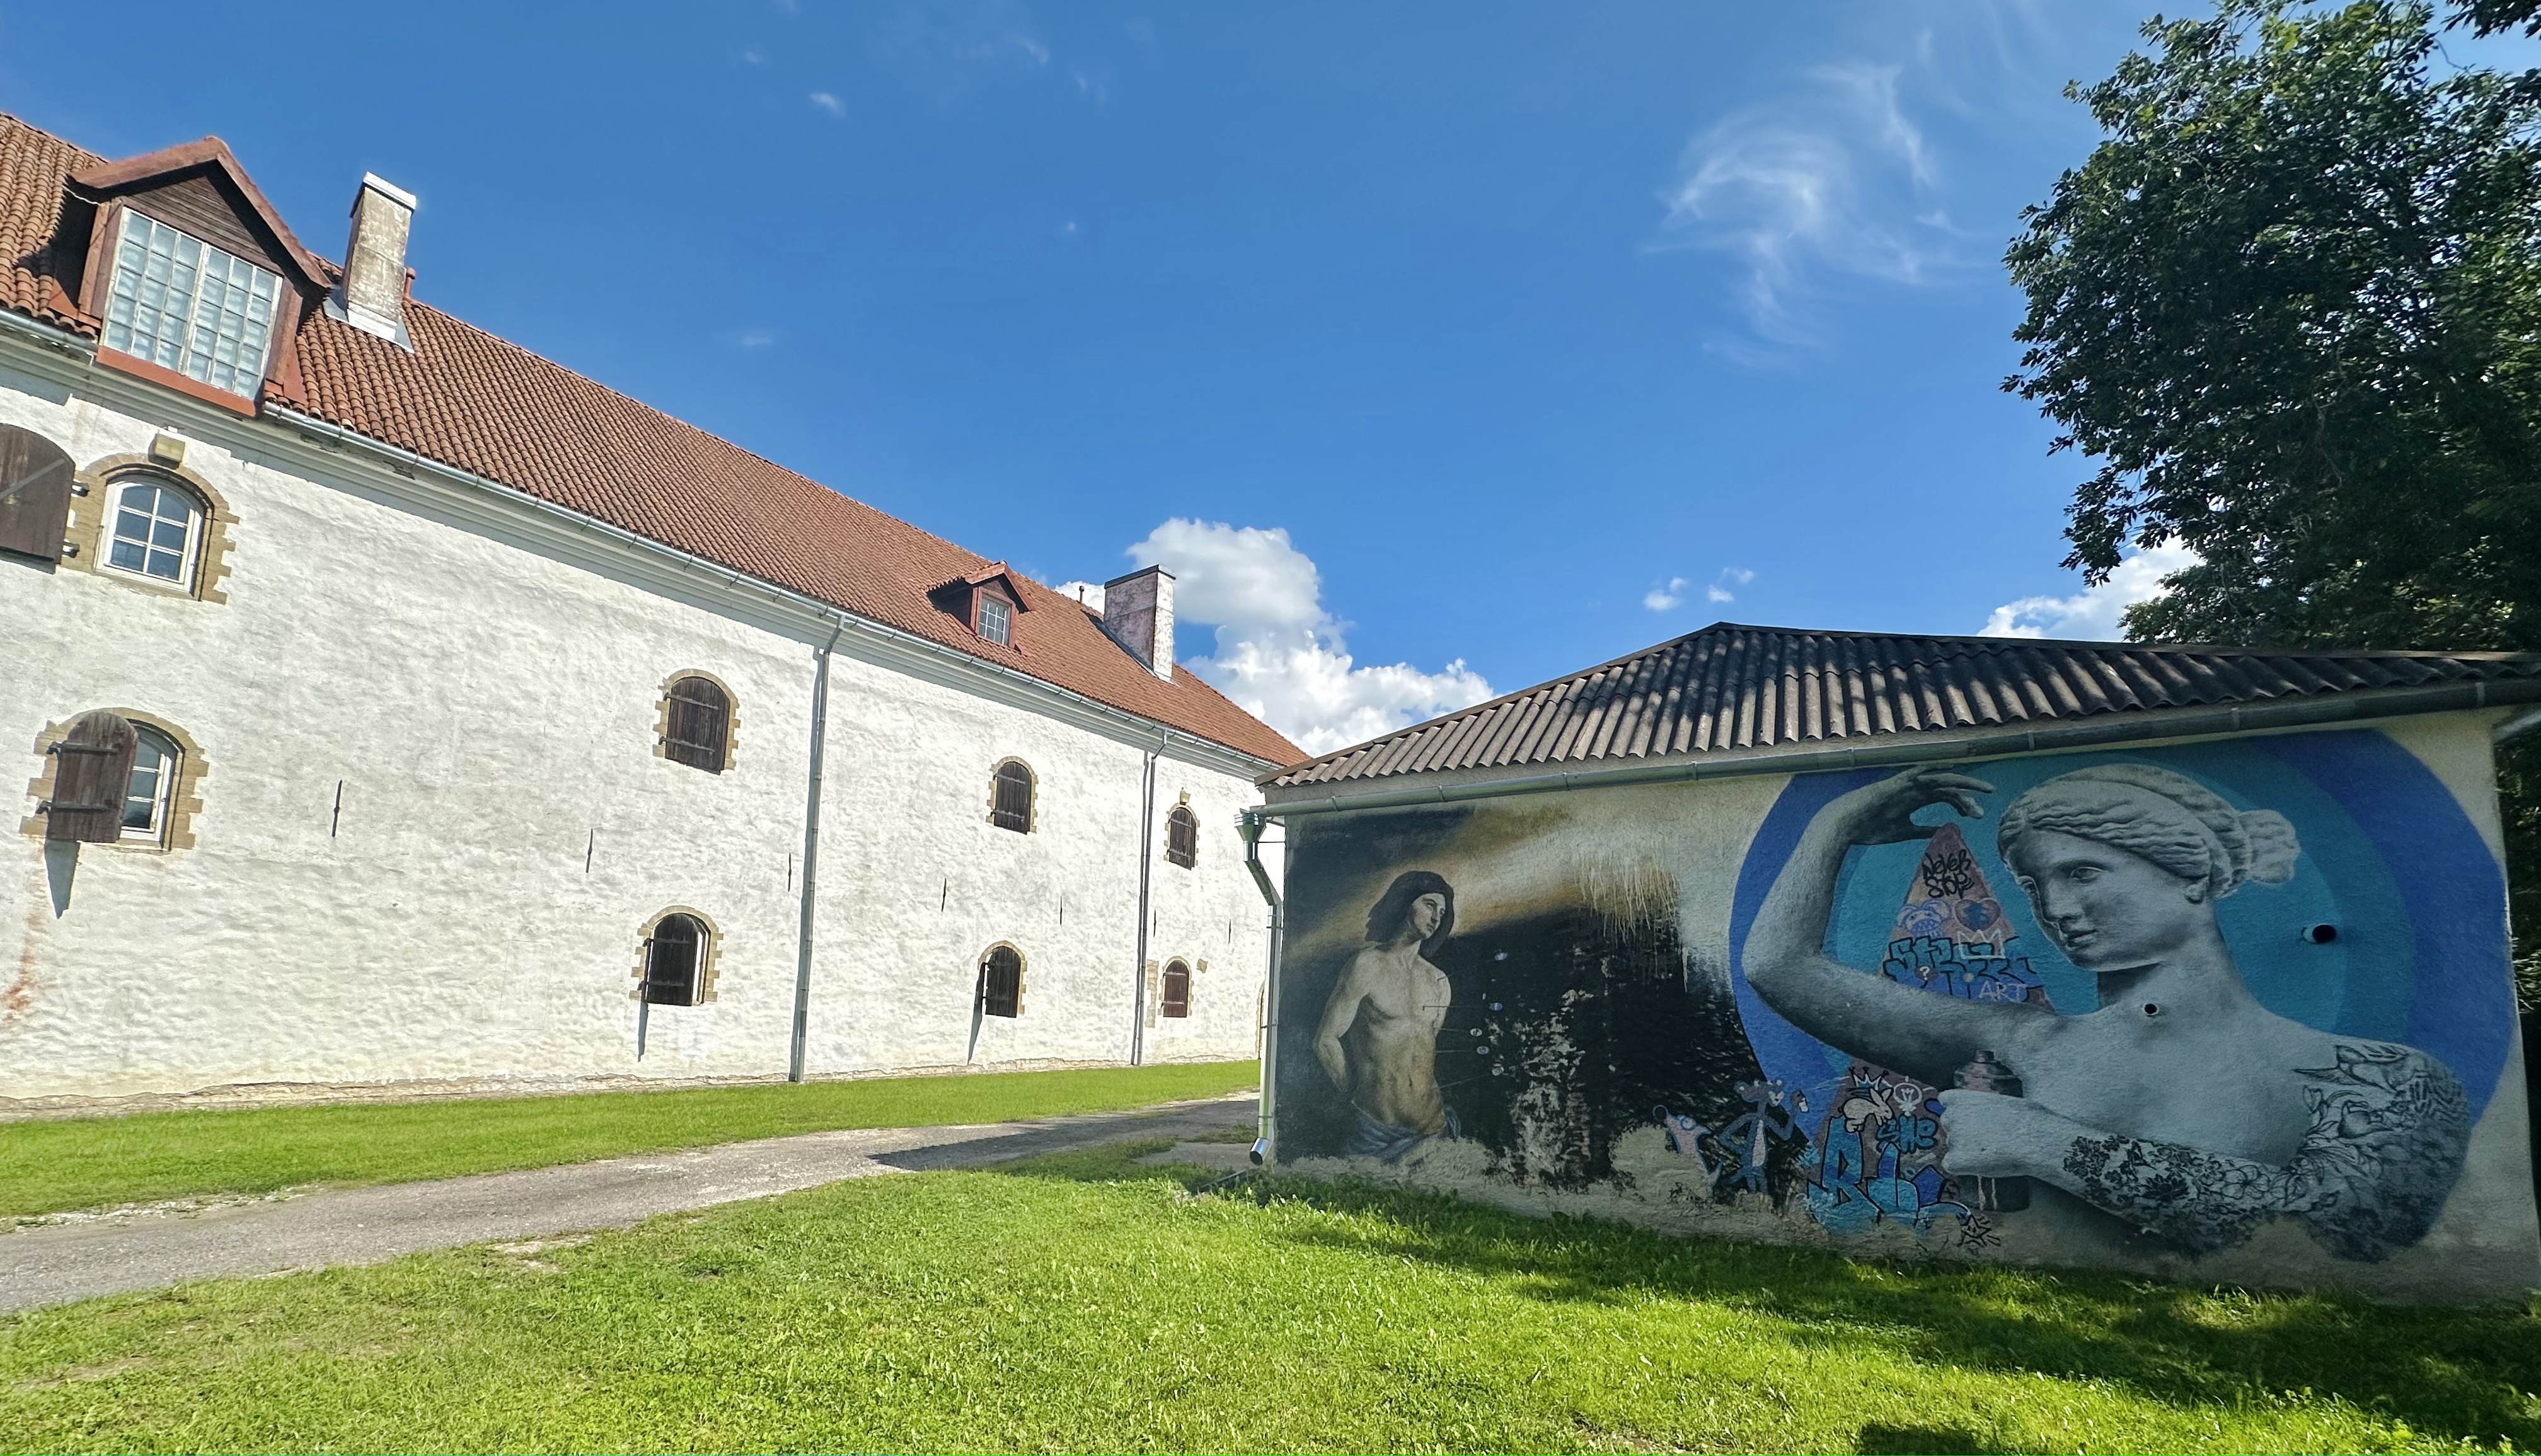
{"points": [[675, 960], [1181, 837], [155, 761], [1010, 803], [1176, 1001], [113, 779], [1001, 980], [154, 529], [696, 723]]}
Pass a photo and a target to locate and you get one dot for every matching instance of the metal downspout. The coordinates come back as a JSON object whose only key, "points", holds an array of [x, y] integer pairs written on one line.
{"points": [[1146, 865], [811, 856], [1265, 1138]]}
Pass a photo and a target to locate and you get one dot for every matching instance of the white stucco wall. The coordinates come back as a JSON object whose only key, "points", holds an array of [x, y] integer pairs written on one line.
{"points": [[484, 687]]}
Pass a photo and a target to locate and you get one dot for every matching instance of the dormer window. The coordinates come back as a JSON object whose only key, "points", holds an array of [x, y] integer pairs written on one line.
{"points": [[988, 602], [183, 303]]}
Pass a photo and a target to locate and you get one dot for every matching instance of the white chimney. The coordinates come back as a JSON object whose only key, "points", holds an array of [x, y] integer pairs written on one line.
{"points": [[372, 297], [1139, 614]]}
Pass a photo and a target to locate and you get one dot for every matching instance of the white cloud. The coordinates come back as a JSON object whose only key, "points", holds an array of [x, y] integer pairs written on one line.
{"points": [[1278, 653], [1665, 599], [1087, 592], [1719, 590], [828, 103], [2094, 612]]}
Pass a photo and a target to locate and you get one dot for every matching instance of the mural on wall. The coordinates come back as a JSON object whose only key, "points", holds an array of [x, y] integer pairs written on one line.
{"points": [[2125, 1007]]}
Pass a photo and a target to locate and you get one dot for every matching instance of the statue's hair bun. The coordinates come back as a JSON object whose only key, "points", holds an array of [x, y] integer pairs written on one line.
{"points": [[2165, 816]]}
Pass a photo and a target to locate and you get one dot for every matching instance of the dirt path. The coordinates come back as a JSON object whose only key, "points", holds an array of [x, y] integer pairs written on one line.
{"points": [[146, 1249]]}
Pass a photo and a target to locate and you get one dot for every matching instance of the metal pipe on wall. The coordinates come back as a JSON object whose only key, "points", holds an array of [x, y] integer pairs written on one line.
{"points": [[1146, 864], [1248, 825], [811, 856]]}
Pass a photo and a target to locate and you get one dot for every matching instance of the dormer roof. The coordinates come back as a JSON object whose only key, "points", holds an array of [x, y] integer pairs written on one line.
{"points": [[210, 163]]}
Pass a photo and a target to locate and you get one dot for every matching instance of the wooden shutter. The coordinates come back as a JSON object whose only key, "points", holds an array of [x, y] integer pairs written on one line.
{"points": [[1181, 837], [1177, 996], [1001, 983], [671, 962], [92, 773], [35, 495], [700, 727], [1012, 806]]}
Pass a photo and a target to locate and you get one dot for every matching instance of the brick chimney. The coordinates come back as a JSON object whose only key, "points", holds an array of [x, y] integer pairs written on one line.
{"points": [[1139, 614], [372, 297]]}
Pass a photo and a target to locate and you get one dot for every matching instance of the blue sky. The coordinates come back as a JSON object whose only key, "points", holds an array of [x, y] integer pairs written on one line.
{"points": [[1543, 332]]}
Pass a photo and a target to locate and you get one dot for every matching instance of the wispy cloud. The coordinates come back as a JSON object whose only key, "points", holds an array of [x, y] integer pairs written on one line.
{"points": [[830, 103], [1666, 598], [1833, 179], [2094, 612], [756, 338], [1731, 576]]}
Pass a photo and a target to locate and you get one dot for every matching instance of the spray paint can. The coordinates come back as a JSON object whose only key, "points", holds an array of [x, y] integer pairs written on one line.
{"points": [[1988, 1073]]}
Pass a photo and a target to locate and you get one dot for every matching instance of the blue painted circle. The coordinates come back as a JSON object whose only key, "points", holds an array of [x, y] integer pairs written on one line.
{"points": [[2388, 857]]}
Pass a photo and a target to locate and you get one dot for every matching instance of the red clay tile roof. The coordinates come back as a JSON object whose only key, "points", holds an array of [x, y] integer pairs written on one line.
{"points": [[472, 401]]}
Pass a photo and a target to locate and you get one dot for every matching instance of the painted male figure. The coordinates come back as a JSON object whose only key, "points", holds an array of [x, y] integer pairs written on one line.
{"points": [[1398, 1000]]}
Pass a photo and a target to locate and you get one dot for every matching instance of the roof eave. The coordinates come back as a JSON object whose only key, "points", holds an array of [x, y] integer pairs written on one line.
{"points": [[1897, 750]]}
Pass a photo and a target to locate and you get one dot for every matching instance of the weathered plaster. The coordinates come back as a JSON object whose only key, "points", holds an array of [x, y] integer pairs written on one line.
{"points": [[485, 681]]}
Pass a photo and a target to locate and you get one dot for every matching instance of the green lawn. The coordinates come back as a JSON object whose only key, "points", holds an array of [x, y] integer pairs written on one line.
{"points": [[1084, 1303], [92, 1162]]}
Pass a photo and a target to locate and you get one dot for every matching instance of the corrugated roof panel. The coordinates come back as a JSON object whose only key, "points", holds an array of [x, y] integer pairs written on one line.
{"points": [[1733, 687]]}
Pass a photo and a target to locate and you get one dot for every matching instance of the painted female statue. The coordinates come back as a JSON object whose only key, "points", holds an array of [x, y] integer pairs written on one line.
{"points": [[2179, 1110]]}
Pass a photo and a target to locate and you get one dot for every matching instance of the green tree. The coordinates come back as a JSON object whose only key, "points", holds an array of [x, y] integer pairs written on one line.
{"points": [[2290, 306]]}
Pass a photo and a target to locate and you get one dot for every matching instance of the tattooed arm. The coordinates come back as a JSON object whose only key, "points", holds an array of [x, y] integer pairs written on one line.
{"points": [[2389, 1125]]}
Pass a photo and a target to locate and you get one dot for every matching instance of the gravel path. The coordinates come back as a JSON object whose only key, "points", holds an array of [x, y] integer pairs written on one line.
{"points": [[149, 1247]]}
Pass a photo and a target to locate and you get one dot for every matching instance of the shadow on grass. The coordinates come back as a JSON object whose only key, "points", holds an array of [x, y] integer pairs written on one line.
{"points": [[1922, 1440], [2462, 1373]]}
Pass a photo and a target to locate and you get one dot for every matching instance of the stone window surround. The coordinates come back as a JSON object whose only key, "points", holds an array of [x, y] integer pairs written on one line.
{"points": [[662, 723], [92, 497], [1032, 805], [711, 954], [1023, 976], [185, 797]]}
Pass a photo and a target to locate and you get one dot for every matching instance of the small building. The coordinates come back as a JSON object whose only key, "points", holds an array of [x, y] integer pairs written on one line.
{"points": [[2190, 960], [395, 710]]}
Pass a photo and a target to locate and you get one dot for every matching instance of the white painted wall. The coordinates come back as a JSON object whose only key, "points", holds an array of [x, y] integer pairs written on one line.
{"points": [[484, 686]]}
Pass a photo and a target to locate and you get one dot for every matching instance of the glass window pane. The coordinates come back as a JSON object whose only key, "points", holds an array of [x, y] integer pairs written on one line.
{"points": [[181, 303], [141, 796], [128, 554]]}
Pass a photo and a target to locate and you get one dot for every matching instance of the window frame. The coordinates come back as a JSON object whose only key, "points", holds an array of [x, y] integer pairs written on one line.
{"points": [[982, 602], [253, 368], [1165, 1000], [197, 524], [1180, 823], [668, 745], [169, 770], [1031, 781], [701, 956], [986, 998]]}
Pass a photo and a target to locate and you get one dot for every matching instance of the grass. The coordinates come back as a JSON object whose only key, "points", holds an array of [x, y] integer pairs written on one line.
{"points": [[1085, 1303], [49, 1167]]}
